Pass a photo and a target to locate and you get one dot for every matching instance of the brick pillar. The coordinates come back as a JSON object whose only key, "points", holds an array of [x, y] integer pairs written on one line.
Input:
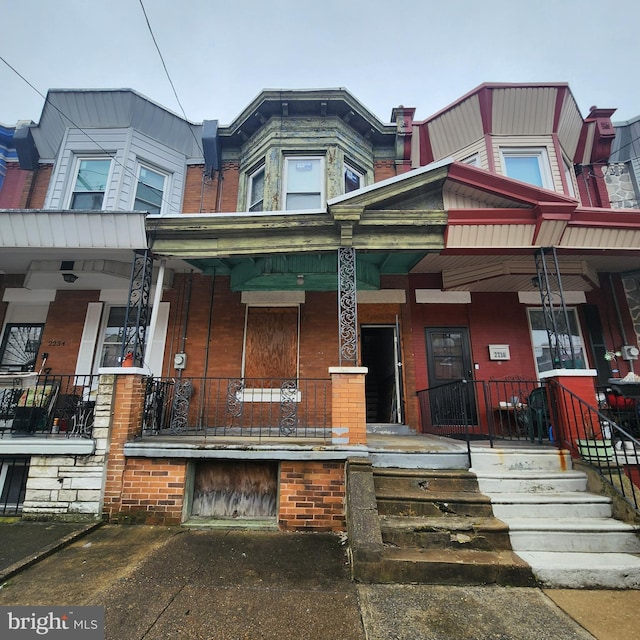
{"points": [[348, 405], [128, 406], [570, 421]]}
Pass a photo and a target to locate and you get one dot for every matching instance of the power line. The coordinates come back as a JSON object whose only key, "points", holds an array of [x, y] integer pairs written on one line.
{"points": [[175, 93], [110, 154]]}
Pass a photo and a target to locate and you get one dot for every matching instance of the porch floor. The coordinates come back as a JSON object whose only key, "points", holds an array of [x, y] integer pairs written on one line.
{"points": [[409, 450]]}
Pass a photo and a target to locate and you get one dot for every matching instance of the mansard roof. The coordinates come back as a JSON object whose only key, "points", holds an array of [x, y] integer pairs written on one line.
{"points": [[109, 109]]}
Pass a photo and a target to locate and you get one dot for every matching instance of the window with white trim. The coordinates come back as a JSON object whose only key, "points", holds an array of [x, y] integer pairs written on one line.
{"points": [[527, 165], [540, 341], [256, 190], [150, 190], [112, 337], [90, 183], [304, 182], [353, 179]]}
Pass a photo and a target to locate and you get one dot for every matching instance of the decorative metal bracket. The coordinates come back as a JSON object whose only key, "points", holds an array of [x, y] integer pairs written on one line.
{"points": [[288, 407], [137, 315], [347, 308], [182, 393]]}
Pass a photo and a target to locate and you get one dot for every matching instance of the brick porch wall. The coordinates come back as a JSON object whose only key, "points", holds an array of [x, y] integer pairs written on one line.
{"points": [[152, 491], [312, 496]]}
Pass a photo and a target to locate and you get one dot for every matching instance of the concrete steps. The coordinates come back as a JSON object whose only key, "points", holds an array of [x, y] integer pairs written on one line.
{"points": [[566, 534], [427, 526]]}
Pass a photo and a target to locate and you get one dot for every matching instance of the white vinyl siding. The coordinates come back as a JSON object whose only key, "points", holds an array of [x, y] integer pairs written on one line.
{"points": [[128, 149]]}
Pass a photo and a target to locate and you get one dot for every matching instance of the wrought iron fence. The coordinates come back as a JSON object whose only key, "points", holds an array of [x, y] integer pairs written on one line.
{"points": [[247, 407], [603, 443], [47, 405], [506, 409]]}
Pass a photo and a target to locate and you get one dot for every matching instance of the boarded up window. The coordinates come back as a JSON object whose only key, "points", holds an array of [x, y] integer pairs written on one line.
{"points": [[235, 490], [272, 342]]}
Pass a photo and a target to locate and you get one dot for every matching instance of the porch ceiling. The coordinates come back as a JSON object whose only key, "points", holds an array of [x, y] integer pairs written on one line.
{"points": [[488, 273], [318, 272]]}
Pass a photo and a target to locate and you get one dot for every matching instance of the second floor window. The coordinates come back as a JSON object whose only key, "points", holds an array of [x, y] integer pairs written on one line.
{"points": [[528, 165], [256, 190], [353, 179], [91, 183], [304, 183], [150, 189]]}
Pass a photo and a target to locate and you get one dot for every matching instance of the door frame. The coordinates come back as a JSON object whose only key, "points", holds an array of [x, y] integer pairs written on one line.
{"points": [[467, 365]]}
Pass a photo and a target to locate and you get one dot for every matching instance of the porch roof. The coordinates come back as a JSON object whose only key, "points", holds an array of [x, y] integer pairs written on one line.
{"points": [[411, 223]]}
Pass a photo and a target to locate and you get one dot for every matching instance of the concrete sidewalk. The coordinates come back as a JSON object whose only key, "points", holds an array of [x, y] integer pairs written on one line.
{"points": [[172, 582], [23, 543]]}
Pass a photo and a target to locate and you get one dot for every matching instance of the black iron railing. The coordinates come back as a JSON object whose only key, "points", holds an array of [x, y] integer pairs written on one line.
{"points": [[13, 484], [507, 409], [600, 441], [47, 405], [247, 407]]}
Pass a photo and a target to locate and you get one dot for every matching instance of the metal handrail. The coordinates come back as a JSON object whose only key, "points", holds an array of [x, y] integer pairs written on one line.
{"points": [[604, 445]]}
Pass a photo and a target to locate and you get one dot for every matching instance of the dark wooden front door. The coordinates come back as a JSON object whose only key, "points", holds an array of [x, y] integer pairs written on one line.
{"points": [[449, 361]]}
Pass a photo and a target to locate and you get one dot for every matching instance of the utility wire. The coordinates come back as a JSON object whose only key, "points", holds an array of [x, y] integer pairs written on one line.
{"points": [[175, 93], [110, 154]]}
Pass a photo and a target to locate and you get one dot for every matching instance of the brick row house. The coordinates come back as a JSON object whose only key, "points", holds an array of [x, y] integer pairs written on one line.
{"points": [[293, 282]]}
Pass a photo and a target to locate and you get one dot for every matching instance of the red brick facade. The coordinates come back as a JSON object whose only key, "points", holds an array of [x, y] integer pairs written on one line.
{"points": [[39, 187], [153, 490], [312, 496], [16, 187]]}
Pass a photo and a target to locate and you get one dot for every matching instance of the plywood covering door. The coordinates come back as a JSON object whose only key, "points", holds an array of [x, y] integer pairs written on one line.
{"points": [[271, 347]]}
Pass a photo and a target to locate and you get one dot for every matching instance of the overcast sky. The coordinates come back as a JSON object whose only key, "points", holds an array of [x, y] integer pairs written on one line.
{"points": [[221, 53]]}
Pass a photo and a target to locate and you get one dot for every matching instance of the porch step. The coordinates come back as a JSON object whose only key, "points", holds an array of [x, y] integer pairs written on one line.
{"points": [[566, 504], [566, 534], [485, 460], [449, 532], [424, 480], [589, 535], [454, 567], [530, 481], [427, 526], [575, 570], [420, 503]]}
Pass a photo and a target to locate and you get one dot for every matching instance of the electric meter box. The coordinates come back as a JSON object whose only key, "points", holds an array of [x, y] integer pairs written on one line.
{"points": [[630, 352]]}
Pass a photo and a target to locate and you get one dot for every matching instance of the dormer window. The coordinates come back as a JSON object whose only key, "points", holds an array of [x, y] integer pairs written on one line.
{"points": [[90, 184], [527, 165], [304, 182], [256, 190]]}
